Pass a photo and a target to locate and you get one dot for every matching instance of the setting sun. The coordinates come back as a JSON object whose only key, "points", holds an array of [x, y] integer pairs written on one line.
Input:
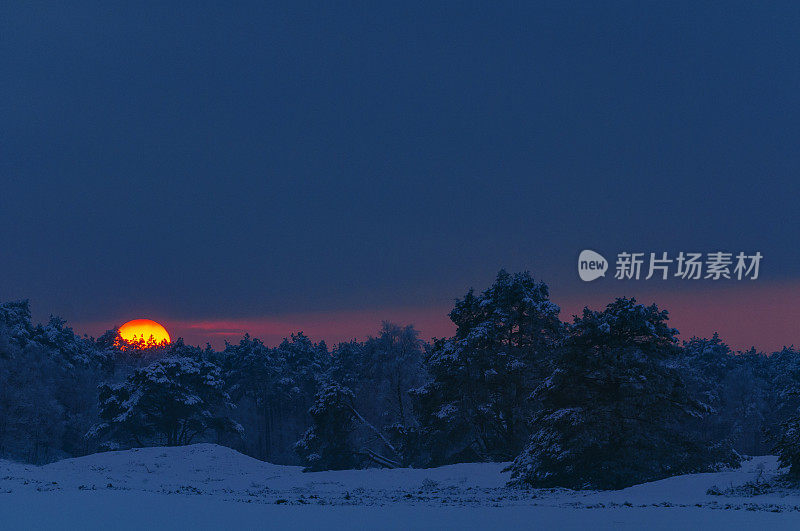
{"points": [[141, 330]]}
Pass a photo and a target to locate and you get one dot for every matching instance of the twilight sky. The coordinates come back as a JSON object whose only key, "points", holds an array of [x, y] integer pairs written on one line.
{"points": [[273, 168]]}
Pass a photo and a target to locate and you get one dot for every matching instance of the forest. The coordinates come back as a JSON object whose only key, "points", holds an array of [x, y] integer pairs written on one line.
{"points": [[609, 399]]}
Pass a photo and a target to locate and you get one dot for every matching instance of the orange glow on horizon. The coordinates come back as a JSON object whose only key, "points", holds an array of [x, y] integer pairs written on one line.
{"points": [[141, 330]]}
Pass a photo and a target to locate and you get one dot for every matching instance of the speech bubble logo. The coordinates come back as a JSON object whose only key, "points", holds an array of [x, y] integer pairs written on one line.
{"points": [[591, 265]]}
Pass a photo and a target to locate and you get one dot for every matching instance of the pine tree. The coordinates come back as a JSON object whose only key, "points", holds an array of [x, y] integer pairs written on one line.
{"points": [[48, 379], [328, 444], [706, 366], [476, 408], [170, 402], [255, 374], [613, 409], [785, 368], [274, 388], [751, 403], [787, 446]]}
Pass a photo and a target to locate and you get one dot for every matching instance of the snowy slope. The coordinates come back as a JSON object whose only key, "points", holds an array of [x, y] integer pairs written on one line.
{"points": [[208, 486]]}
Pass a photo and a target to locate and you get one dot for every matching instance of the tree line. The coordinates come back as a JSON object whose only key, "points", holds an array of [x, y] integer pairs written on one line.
{"points": [[607, 400]]}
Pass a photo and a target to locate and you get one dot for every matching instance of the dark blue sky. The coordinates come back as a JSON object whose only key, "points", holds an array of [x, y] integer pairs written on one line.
{"points": [[209, 162]]}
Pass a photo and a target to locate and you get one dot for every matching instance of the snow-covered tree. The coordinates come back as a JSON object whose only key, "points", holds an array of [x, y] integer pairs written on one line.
{"points": [[305, 361], [783, 373], [787, 446], [170, 402], [48, 379], [705, 365], [393, 365], [475, 408], [274, 388], [741, 392], [751, 403], [381, 372], [348, 362], [261, 388], [32, 420], [613, 410], [785, 369], [328, 444], [340, 436]]}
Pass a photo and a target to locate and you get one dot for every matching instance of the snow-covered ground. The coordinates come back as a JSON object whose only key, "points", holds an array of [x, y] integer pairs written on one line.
{"points": [[206, 486]]}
